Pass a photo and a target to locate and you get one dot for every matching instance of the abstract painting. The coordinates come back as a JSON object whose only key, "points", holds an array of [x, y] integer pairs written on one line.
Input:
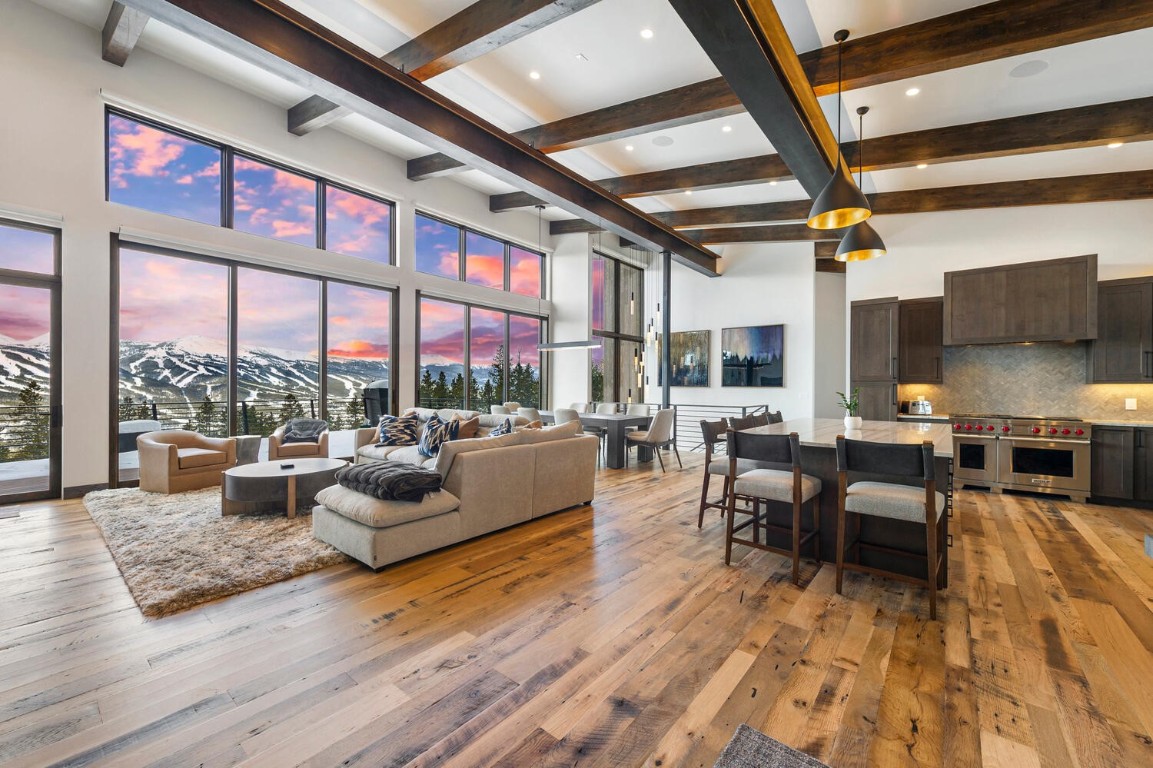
{"points": [[689, 358], [753, 356]]}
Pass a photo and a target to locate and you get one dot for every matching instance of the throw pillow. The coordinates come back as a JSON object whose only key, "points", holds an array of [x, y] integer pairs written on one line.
{"points": [[504, 428], [398, 430], [466, 428], [303, 430], [437, 431]]}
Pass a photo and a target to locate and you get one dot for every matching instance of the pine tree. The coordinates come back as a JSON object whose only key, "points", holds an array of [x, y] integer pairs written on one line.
{"points": [[354, 412], [424, 395], [456, 392], [34, 422], [440, 391], [598, 381], [496, 374], [291, 408], [207, 415]]}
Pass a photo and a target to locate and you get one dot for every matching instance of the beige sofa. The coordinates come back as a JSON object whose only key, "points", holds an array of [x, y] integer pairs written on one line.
{"points": [[488, 483], [176, 460]]}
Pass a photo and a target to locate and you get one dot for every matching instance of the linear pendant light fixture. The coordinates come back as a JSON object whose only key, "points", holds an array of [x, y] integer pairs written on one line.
{"points": [[861, 242], [553, 346], [841, 203]]}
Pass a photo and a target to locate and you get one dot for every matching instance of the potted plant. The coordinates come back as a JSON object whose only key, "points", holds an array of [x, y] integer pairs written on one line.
{"points": [[852, 405]]}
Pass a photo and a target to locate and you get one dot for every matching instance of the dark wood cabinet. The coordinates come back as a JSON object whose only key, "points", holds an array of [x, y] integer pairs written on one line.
{"points": [[920, 348], [1143, 464], [1123, 350], [1053, 300], [873, 356], [1112, 462]]}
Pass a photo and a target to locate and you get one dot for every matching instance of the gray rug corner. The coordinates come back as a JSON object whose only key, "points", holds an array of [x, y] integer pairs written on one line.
{"points": [[749, 748]]}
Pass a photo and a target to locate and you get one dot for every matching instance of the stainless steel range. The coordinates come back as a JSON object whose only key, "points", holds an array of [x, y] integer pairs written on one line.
{"points": [[1025, 453]]}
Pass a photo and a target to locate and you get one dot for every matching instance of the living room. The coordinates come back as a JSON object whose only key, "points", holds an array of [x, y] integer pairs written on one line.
{"points": [[614, 631]]}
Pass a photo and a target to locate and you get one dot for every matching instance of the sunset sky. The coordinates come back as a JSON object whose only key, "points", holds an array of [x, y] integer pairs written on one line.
{"points": [[25, 313], [483, 260], [442, 335], [272, 202], [26, 250], [437, 247]]}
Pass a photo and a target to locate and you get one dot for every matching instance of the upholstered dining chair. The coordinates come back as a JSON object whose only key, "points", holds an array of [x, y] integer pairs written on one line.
{"points": [[580, 407], [658, 435], [512, 406], [763, 485], [638, 409], [285, 443], [713, 433], [532, 414], [608, 407], [738, 423], [774, 417], [565, 415], [499, 410], [920, 504]]}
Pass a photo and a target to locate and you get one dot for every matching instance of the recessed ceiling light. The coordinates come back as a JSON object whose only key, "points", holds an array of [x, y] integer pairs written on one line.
{"points": [[727, 128], [912, 91], [688, 191], [628, 147], [534, 75], [663, 141], [1115, 144], [647, 34], [922, 166], [772, 183], [1029, 68]]}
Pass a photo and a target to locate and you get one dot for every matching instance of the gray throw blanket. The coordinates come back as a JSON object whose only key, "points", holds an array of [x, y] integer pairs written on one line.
{"points": [[389, 480], [303, 430]]}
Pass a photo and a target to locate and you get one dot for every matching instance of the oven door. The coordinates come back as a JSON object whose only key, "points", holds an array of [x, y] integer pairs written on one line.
{"points": [[975, 459], [1058, 465]]}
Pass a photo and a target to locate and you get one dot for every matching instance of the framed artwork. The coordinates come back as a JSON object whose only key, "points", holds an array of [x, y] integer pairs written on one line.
{"points": [[753, 356], [689, 359]]}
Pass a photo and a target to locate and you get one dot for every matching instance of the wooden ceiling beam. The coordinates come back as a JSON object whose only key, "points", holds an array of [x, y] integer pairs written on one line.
{"points": [[778, 233], [680, 106], [286, 43], [122, 30], [476, 30]]}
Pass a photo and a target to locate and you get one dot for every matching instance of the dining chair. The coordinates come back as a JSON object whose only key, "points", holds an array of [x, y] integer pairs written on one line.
{"points": [[774, 417], [608, 407], [638, 409], [565, 415], [580, 407], [738, 423], [658, 435], [920, 504], [772, 486], [499, 410], [713, 433], [532, 414], [512, 406]]}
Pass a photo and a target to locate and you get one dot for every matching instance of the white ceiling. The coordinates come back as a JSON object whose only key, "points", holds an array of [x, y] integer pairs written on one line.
{"points": [[621, 66]]}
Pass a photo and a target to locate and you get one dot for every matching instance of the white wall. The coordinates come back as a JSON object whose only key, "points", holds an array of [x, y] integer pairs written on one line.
{"points": [[761, 284], [831, 365], [568, 370], [52, 163]]}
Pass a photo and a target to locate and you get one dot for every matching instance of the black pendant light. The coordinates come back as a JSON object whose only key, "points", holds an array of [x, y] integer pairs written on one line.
{"points": [[841, 203], [861, 242]]}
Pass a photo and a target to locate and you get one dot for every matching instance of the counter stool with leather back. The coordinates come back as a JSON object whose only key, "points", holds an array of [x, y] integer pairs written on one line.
{"points": [[790, 487], [919, 504], [713, 432]]}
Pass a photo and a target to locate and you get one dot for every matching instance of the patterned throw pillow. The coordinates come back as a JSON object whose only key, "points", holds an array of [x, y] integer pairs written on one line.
{"points": [[504, 428], [436, 432], [398, 430], [468, 427]]}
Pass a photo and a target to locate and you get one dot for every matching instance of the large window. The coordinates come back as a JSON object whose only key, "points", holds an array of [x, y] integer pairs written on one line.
{"points": [[473, 357], [165, 170], [486, 260], [176, 332], [617, 304]]}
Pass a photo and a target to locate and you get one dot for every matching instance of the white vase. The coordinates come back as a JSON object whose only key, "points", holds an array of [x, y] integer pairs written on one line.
{"points": [[852, 422]]}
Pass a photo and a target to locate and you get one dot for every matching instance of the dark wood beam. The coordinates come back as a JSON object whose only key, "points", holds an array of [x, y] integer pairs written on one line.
{"points": [[312, 114], [972, 36], [780, 233], [122, 30], [288, 44], [825, 252], [480, 28], [747, 42], [680, 106]]}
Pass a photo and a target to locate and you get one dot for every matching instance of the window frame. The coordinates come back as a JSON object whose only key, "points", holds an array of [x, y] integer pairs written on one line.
{"points": [[463, 230], [615, 334]]}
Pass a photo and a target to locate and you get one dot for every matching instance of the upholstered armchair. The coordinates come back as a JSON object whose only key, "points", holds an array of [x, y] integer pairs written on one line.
{"points": [[176, 460], [279, 448]]}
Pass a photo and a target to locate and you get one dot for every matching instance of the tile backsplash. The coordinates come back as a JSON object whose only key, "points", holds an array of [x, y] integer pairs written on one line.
{"points": [[1042, 379]]}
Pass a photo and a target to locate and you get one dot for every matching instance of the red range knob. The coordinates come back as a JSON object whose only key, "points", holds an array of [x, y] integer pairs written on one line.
{"points": [[956, 426], [1079, 432], [1065, 431], [1005, 428], [1052, 430], [1036, 430], [990, 427], [969, 427]]}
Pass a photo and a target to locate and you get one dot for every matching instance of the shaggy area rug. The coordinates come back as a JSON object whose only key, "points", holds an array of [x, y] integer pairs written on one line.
{"points": [[749, 748], [176, 551]]}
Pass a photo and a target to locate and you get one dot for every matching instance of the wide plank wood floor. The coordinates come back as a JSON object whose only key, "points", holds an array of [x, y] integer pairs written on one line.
{"points": [[604, 636]]}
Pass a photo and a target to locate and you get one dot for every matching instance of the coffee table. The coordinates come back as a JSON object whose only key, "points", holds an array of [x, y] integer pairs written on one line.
{"points": [[275, 485]]}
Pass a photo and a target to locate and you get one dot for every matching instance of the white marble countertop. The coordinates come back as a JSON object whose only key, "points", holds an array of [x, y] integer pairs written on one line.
{"points": [[822, 433], [930, 417]]}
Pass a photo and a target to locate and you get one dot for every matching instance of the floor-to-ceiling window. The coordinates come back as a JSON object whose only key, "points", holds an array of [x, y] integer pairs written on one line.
{"points": [[617, 298], [29, 362], [359, 341]]}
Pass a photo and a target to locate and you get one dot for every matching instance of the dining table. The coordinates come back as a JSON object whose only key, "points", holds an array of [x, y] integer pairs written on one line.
{"points": [[818, 438], [616, 425]]}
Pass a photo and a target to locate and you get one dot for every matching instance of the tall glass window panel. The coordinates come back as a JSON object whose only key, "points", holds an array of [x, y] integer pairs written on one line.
{"points": [[162, 171], [524, 360], [484, 260], [273, 202], [488, 358], [25, 386], [173, 368], [524, 271], [277, 371], [437, 247], [359, 352], [628, 390], [441, 382], [597, 371], [27, 250], [359, 226], [630, 298], [600, 266]]}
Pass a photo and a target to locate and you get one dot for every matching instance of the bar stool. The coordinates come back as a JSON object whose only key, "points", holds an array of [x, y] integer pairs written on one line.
{"points": [[919, 504], [772, 485]]}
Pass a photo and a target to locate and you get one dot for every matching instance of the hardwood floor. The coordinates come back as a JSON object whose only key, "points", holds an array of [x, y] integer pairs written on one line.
{"points": [[610, 636]]}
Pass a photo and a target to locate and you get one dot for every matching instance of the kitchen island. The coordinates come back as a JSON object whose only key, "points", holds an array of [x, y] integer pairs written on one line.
{"points": [[819, 459]]}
